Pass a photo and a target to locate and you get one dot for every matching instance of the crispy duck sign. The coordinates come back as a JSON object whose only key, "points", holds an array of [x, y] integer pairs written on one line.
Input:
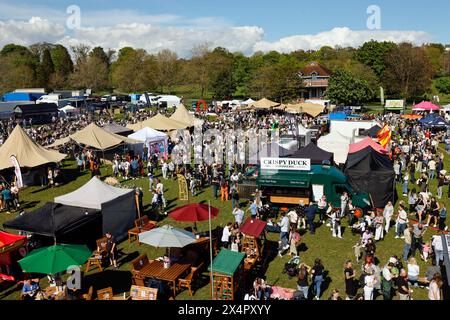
{"points": [[285, 164]]}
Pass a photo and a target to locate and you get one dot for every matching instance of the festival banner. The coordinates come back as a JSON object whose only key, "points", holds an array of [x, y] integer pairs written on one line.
{"points": [[18, 172]]}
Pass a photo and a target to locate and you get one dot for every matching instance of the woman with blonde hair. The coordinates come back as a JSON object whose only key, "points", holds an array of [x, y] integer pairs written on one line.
{"points": [[413, 272], [434, 292]]}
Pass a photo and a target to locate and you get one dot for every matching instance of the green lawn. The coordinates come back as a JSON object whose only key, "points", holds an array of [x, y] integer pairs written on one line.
{"points": [[334, 252]]}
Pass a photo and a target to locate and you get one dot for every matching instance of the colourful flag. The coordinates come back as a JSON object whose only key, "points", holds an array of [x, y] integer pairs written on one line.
{"points": [[384, 136]]}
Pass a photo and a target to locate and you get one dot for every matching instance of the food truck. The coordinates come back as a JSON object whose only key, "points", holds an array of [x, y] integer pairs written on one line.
{"points": [[289, 181]]}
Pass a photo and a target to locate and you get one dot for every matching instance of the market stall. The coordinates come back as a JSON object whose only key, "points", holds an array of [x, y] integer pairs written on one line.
{"points": [[12, 249], [253, 241], [227, 274]]}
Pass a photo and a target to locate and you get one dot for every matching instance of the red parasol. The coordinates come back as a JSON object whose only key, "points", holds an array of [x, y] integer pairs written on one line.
{"points": [[193, 212]]}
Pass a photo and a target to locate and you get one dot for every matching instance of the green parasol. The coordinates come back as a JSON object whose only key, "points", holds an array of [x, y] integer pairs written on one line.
{"points": [[54, 259]]}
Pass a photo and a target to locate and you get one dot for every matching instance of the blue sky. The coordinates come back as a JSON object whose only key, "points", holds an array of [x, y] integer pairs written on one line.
{"points": [[266, 23]]}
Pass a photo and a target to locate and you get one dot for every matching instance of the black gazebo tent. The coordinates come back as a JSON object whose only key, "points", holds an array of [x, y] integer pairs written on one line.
{"points": [[372, 172], [313, 152], [372, 132], [270, 151], [66, 224]]}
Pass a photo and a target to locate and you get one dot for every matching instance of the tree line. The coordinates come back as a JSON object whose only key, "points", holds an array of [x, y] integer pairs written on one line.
{"points": [[403, 70]]}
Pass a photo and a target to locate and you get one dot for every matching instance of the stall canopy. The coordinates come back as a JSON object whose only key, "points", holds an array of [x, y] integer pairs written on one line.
{"points": [[263, 104], [253, 227], [117, 129], [426, 106], [182, 115], [338, 116], [7, 241], [53, 220], [433, 121], [227, 262], [159, 122], [247, 102], [370, 170], [283, 178], [337, 144], [428, 118], [117, 205], [437, 122], [312, 109], [149, 135], [372, 132], [269, 151], [367, 142], [98, 138], [313, 152], [28, 153]]}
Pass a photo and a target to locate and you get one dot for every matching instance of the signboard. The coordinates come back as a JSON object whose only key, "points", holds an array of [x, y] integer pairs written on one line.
{"points": [[183, 191], [395, 104], [285, 164], [446, 247], [317, 191]]}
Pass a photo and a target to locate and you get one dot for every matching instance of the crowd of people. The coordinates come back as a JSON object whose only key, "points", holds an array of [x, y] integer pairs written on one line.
{"points": [[417, 220]]}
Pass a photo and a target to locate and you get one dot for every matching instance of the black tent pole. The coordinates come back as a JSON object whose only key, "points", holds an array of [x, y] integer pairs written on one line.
{"points": [[53, 222]]}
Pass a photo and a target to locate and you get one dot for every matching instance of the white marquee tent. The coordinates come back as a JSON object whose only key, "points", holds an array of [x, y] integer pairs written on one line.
{"points": [[337, 144], [151, 138], [117, 205]]}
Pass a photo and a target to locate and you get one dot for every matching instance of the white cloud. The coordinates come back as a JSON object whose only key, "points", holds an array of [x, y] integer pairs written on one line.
{"points": [[29, 32], [343, 37], [184, 34]]}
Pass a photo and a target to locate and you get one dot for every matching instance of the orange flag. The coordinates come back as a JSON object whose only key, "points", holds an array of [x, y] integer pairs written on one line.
{"points": [[384, 136]]}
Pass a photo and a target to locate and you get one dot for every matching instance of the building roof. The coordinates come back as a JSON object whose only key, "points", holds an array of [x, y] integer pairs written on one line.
{"points": [[320, 70]]}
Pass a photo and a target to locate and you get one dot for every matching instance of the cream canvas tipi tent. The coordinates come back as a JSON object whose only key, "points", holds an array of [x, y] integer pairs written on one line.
{"points": [[182, 115], [28, 153]]}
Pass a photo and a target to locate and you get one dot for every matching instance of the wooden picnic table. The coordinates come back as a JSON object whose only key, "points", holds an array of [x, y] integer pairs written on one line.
{"points": [[156, 270]]}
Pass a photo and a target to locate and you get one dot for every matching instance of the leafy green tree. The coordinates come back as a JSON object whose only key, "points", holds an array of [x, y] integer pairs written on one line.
{"points": [[443, 85], [168, 69], [63, 65], [91, 73], [134, 71], [408, 72], [373, 54], [435, 53], [347, 88], [223, 86], [17, 67], [45, 70], [241, 75]]}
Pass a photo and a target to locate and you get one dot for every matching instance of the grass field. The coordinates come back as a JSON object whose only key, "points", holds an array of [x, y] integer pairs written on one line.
{"points": [[334, 252]]}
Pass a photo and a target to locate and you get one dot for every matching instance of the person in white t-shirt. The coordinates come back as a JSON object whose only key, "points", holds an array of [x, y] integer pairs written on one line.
{"points": [[160, 191], [402, 222], [369, 285], [226, 235]]}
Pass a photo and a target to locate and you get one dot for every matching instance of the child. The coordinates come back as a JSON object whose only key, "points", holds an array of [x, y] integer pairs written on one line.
{"points": [[358, 250], [426, 251]]}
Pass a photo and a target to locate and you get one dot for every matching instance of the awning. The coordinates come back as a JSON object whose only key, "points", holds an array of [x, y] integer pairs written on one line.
{"points": [[253, 227]]}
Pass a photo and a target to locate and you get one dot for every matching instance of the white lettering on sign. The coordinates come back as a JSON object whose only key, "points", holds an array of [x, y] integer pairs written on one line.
{"points": [[285, 164]]}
